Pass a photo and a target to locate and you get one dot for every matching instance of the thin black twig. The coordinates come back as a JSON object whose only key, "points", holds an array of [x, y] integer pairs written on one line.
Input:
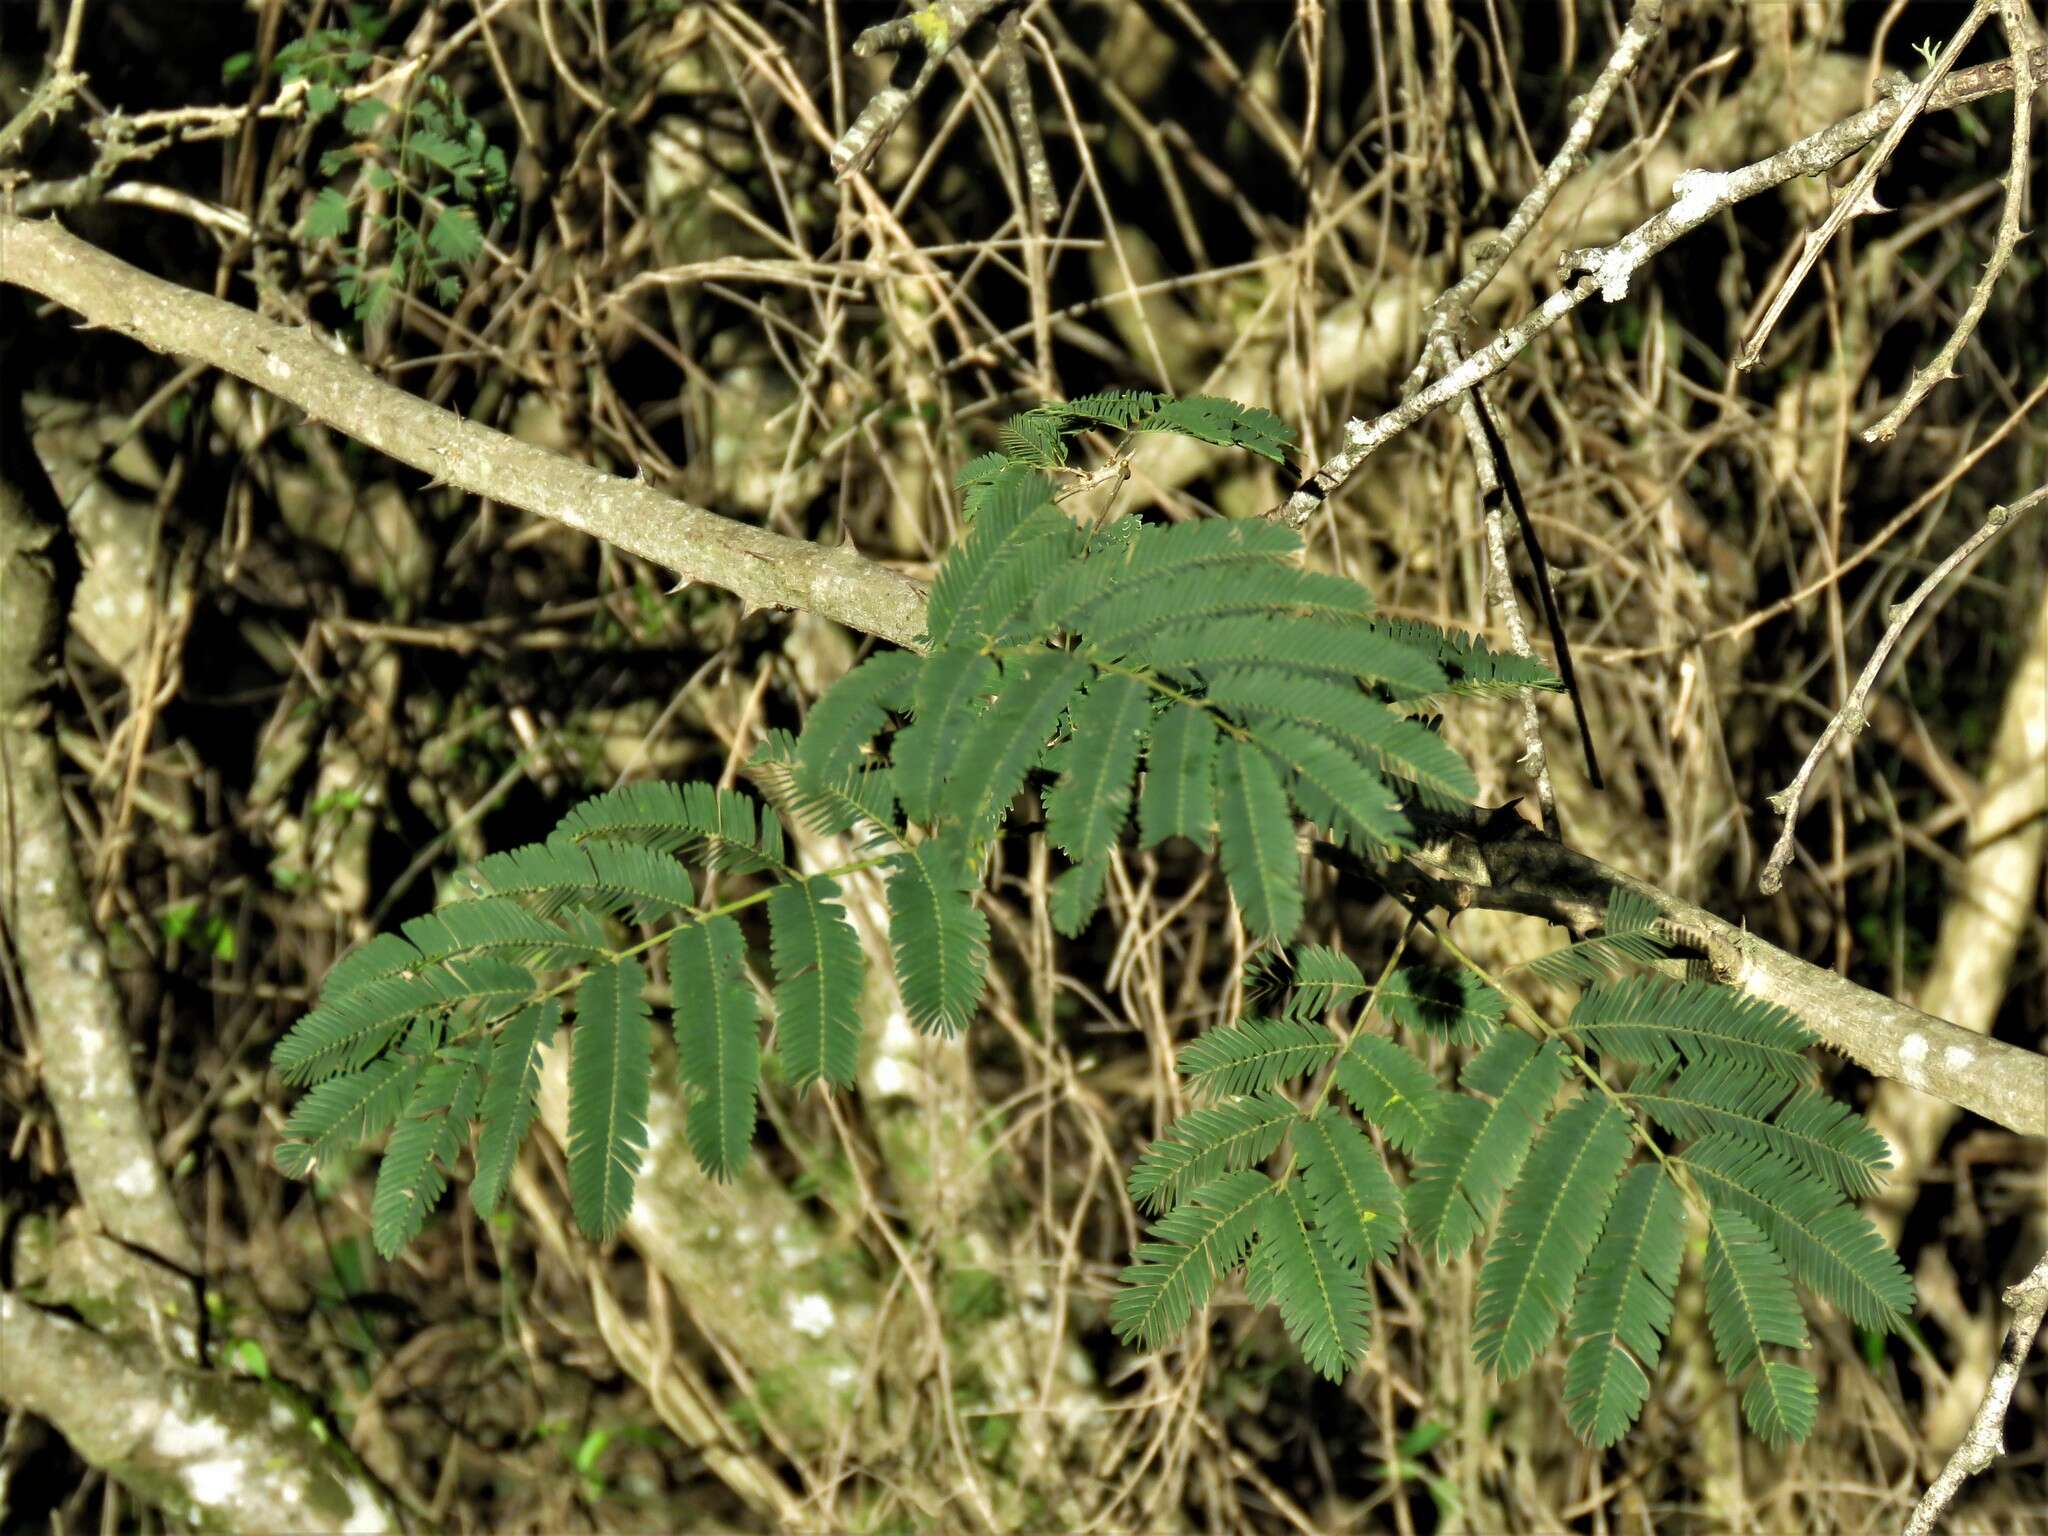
{"points": [[1510, 486]]}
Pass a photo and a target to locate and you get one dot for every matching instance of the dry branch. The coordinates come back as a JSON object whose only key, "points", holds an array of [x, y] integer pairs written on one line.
{"points": [[1859, 197], [2017, 170], [226, 1455], [937, 29], [1986, 1440], [765, 570], [1645, 21]]}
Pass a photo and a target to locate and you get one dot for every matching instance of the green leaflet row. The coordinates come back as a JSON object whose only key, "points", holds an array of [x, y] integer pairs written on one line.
{"points": [[1575, 1158]]}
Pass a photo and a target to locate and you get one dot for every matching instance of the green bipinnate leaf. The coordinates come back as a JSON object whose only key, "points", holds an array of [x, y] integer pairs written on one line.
{"points": [[1199, 673]]}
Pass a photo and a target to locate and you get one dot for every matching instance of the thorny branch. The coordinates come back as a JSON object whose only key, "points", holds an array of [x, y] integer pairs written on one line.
{"points": [[1699, 195], [53, 94], [1985, 1441], [1450, 309], [1857, 198], [1851, 717], [1645, 21], [2013, 16], [48, 100]]}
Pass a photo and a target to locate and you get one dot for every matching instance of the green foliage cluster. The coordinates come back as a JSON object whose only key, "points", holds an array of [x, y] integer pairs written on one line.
{"points": [[327, 59], [1042, 438], [1552, 1140], [1191, 681], [407, 195]]}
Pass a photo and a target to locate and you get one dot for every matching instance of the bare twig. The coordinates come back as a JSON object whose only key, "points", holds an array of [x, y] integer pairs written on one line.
{"points": [[1851, 717], [77, 191], [67, 50], [1699, 195], [1045, 199], [1455, 303], [1857, 198], [584, 93], [2013, 16], [937, 28], [1985, 1441]]}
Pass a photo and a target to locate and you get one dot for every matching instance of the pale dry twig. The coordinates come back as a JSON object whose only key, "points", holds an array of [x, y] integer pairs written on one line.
{"points": [[1851, 717]]}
